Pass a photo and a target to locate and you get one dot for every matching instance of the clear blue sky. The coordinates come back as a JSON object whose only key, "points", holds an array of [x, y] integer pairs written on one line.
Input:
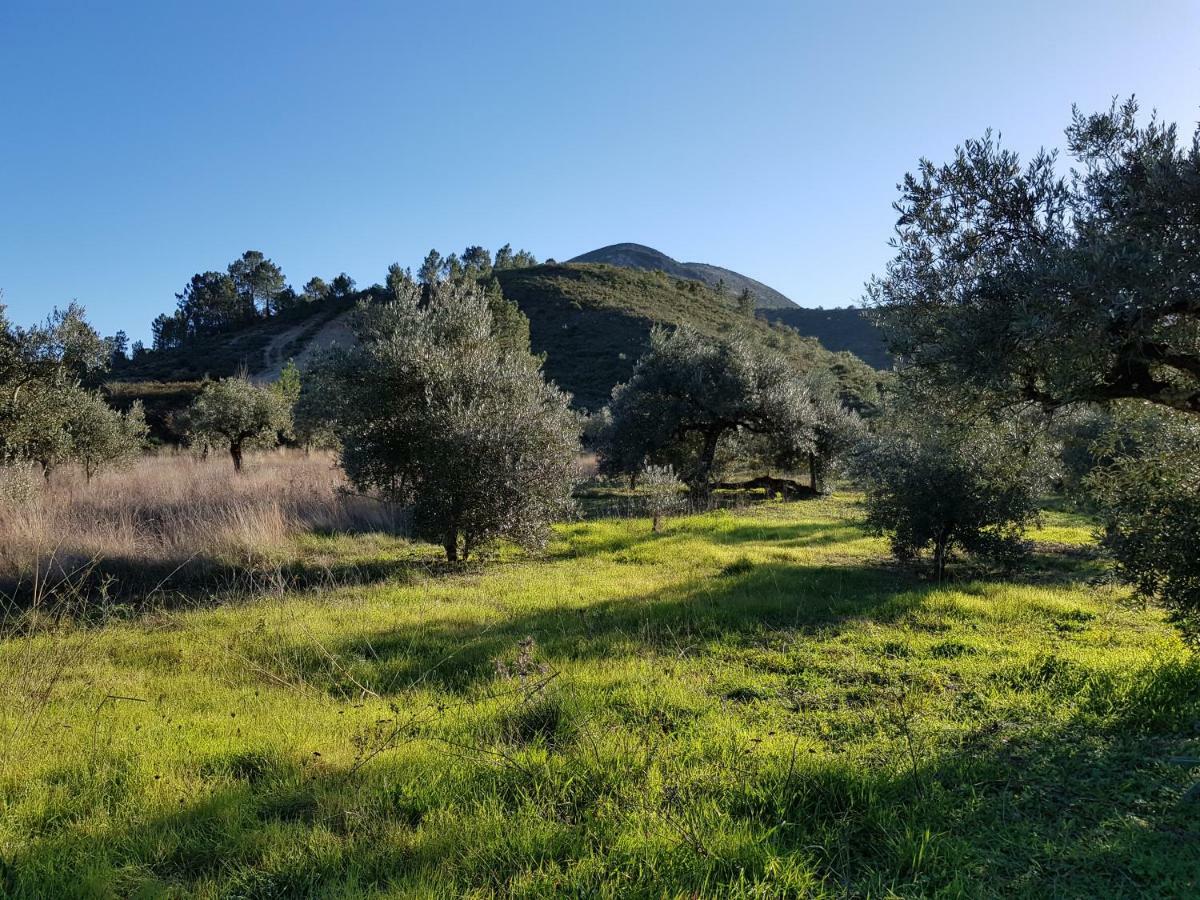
{"points": [[142, 142]]}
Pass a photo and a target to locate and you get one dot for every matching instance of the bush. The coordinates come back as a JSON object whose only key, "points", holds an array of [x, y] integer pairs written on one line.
{"points": [[945, 488], [662, 491], [1150, 502]]}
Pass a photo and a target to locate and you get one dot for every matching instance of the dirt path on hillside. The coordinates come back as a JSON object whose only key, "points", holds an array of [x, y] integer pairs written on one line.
{"points": [[276, 354]]}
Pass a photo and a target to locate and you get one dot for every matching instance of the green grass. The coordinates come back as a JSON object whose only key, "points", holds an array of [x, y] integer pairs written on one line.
{"points": [[747, 705]]}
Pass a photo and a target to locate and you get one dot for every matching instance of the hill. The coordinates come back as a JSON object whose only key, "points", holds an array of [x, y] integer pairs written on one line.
{"points": [[639, 256], [591, 321], [844, 329], [837, 329]]}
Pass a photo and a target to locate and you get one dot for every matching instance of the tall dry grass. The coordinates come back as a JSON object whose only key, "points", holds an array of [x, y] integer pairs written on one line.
{"points": [[169, 510]]}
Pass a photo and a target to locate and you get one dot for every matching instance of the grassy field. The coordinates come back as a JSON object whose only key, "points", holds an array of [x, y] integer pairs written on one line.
{"points": [[747, 705]]}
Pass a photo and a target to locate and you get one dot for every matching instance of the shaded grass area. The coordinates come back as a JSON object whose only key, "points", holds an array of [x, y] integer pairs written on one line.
{"points": [[747, 704]]}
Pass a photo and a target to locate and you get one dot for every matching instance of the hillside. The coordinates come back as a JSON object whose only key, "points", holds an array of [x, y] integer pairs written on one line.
{"points": [[592, 322], [639, 256], [261, 348], [837, 329]]}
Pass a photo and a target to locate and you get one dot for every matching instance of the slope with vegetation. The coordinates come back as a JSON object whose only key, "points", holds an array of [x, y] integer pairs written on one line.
{"points": [[593, 322], [639, 256], [847, 329]]}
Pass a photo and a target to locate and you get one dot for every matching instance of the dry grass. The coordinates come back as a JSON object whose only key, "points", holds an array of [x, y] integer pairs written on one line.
{"points": [[167, 510]]}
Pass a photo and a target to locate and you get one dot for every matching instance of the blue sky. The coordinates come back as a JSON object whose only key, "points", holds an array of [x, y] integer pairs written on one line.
{"points": [[142, 142]]}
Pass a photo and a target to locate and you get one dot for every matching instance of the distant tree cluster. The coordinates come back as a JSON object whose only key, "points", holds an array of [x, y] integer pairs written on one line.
{"points": [[251, 288], [50, 411]]}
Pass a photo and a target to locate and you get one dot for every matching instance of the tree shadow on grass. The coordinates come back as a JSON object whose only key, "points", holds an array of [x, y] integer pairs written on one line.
{"points": [[590, 542], [1093, 807], [117, 587], [746, 601]]}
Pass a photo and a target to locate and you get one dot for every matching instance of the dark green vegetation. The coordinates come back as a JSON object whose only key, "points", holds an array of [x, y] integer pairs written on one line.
{"points": [[850, 330], [1148, 489], [744, 705], [1016, 291], [593, 323]]}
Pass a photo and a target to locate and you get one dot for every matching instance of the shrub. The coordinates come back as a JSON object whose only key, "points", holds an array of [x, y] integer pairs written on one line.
{"points": [[1150, 502], [945, 488], [662, 492]]}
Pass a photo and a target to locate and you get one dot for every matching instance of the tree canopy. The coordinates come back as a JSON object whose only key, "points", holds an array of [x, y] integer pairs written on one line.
{"points": [[1017, 284], [688, 393]]}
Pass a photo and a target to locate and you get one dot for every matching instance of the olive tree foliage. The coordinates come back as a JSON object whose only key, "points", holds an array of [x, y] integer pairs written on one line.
{"points": [[238, 414], [837, 432], [433, 409], [1148, 492], [475, 268], [929, 493], [937, 484], [1016, 284], [44, 371], [100, 436], [689, 393]]}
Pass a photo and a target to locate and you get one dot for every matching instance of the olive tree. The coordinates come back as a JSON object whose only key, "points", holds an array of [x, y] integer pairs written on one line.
{"points": [[238, 414], [434, 409], [101, 436], [837, 431], [42, 370], [1017, 285], [941, 487], [1148, 491], [690, 393]]}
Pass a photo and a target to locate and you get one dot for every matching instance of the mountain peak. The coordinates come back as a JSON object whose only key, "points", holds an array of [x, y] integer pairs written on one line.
{"points": [[638, 256]]}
